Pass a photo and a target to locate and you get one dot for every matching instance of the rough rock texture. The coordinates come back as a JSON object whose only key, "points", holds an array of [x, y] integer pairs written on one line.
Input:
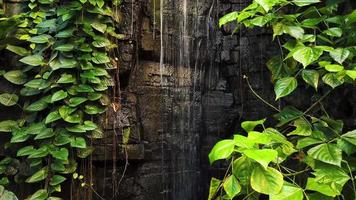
{"points": [[179, 101]]}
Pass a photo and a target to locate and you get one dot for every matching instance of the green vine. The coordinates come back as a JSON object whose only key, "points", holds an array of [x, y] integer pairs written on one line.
{"points": [[63, 79], [306, 154]]}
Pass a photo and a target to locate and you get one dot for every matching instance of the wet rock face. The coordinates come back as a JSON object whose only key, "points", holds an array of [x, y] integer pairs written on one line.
{"points": [[179, 101]]}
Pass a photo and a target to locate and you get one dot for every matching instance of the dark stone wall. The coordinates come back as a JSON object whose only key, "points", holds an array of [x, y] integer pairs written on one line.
{"points": [[181, 100], [176, 103]]}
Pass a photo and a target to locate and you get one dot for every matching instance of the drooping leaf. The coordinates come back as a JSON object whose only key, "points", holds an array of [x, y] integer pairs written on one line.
{"points": [[285, 86], [311, 77], [250, 125], [289, 113], [213, 189], [228, 18], [232, 186], [269, 181], [262, 156]]}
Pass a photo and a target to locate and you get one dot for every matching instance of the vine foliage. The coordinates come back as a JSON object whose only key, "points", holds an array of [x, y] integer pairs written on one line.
{"points": [[307, 154], [61, 49]]}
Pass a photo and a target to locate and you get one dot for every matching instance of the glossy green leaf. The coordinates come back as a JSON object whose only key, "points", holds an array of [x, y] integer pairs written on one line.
{"points": [[323, 188], [33, 60], [303, 128], [311, 77], [285, 86], [39, 153], [40, 39], [65, 47], [351, 74], [250, 125], [78, 142], [262, 156], [232, 186], [16, 77], [305, 2], [328, 153], [288, 114], [222, 150], [288, 192], [44, 134], [295, 31], [66, 78], [100, 58], [333, 79], [7, 99], [269, 181], [52, 116], [25, 151], [39, 195], [17, 50], [93, 109], [76, 101], [350, 137], [307, 55], [213, 189], [334, 68], [340, 55], [59, 95], [57, 179], [38, 84], [61, 154], [334, 32], [38, 176], [228, 18], [267, 4], [37, 106], [7, 125]]}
